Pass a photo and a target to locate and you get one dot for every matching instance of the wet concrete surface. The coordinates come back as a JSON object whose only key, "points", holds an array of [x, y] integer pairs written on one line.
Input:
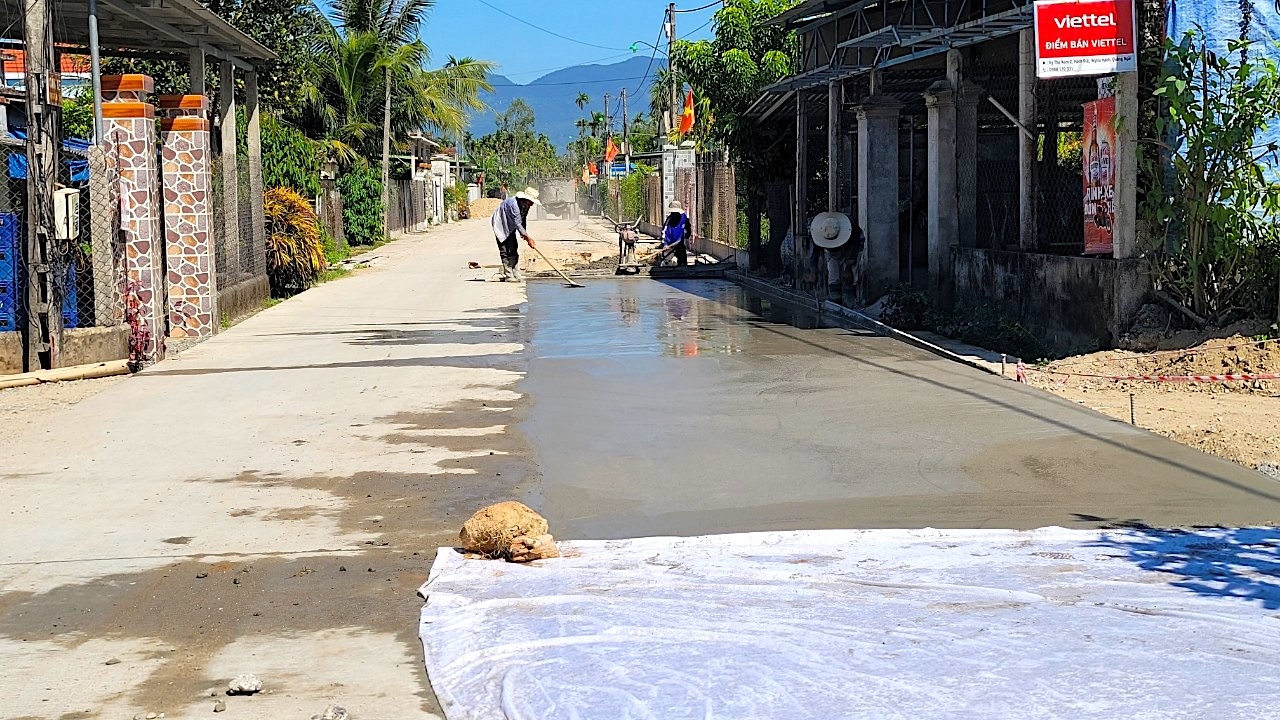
{"points": [[694, 407]]}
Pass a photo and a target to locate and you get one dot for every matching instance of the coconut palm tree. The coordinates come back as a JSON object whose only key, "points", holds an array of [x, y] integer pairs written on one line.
{"points": [[347, 74], [370, 51], [583, 101]]}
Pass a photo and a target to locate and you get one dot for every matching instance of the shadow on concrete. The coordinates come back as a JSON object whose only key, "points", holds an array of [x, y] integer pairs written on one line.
{"points": [[999, 385], [1241, 563], [510, 362]]}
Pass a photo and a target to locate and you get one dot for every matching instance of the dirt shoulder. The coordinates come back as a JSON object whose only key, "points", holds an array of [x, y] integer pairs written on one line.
{"points": [[1235, 420]]}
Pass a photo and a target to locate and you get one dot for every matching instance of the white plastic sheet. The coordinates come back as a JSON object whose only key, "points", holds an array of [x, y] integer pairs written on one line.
{"points": [[915, 624]]}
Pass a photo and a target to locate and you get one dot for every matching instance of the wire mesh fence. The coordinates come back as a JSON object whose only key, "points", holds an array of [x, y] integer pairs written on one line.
{"points": [[84, 258], [1059, 166], [13, 204], [253, 248], [995, 173]]}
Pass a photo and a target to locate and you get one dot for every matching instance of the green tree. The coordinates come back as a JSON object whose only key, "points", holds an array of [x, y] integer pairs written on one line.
{"points": [[728, 72], [77, 115], [362, 57], [286, 27], [362, 212], [515, 152], [1222, 247]]}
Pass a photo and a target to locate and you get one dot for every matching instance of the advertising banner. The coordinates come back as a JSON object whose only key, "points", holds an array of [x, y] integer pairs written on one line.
{"points": [[1093, 37], [1099, 163]]}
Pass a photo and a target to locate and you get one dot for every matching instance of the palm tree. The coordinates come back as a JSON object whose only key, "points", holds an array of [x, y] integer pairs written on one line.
{"points": [[583, 101], [582, 124], [370, 52], [660, 94]]}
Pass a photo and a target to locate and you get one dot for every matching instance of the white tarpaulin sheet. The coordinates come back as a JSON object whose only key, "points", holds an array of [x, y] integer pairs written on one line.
{"points": [[914, 624]]}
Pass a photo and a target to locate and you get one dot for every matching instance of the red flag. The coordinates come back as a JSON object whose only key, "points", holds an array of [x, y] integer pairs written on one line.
{"points": [[592, 167], [611, 151], [686, 118]]}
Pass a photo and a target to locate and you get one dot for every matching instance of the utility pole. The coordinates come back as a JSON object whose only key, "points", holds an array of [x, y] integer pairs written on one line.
{"points": [[671, 64], [386, 159], [604, 171], [626, 133], [44, 304]]}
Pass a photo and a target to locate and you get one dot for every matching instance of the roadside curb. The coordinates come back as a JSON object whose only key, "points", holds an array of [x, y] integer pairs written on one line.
{"points": [[850, 316]]}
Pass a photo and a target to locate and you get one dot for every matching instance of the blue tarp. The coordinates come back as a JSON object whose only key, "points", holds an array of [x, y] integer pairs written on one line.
{"points": [[1221, 23], [78, 166]]}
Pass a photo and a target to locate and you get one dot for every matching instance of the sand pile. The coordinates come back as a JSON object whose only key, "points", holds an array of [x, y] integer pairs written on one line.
{"points": [[483, 208]]}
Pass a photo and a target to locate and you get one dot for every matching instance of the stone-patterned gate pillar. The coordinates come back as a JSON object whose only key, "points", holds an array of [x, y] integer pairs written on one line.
{"points": [[129, 131], [188, 216]]}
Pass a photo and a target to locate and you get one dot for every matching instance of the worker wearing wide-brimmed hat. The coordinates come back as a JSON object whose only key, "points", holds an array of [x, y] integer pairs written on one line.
{"points": [[841, 243], [510, 221], [676, 231]]}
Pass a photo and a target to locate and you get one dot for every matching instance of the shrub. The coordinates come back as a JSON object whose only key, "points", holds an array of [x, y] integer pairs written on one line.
{"points": [[906, 308], [289, 158], [633, 193], [361, 189], [455, 198], [295, 244]]}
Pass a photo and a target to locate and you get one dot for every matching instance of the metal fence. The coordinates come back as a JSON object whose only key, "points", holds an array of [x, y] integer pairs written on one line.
{"points": [[1059, 167], [85, 269]]}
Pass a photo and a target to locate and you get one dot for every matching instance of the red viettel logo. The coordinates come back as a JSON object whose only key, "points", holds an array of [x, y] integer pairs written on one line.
{"points": [[1082, 29]]}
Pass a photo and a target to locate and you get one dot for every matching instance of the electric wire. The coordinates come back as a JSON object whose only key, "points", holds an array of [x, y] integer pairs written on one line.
{"points": [[542, 29], [704, 7]]}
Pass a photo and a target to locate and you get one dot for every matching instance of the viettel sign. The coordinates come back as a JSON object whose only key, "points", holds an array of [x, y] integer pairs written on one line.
{"points": [[1092, 37]]}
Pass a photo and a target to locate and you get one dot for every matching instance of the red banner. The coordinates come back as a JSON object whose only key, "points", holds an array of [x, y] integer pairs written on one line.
{"points": [[1092, 37], [1098, 161]]}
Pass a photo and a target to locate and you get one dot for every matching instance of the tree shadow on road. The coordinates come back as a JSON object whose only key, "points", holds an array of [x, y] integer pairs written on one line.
{"points": [[1242, 563]]}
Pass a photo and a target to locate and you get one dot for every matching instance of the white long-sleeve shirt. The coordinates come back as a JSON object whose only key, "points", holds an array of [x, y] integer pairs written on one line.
{"points": [[508, 219]]}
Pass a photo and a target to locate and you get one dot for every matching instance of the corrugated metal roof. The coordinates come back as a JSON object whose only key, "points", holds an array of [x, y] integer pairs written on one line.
{"points": [[150, 26]]}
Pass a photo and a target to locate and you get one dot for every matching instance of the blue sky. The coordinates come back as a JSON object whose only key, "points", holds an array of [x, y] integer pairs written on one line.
{"points": [[470, 27]]}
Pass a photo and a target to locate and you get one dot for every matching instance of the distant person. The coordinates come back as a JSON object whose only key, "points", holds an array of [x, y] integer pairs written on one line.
{"points": [[509, 222], [676, 232]]}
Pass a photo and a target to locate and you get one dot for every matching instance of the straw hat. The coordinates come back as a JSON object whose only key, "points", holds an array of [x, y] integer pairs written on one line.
{"points": [[675, 207], [831, 230], [529, 194]]}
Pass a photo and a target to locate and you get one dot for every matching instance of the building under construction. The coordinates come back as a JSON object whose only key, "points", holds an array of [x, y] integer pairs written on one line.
{"points": [[927, 124]]}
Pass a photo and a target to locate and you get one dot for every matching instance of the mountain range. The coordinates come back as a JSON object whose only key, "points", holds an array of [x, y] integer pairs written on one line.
{"points": [[552, 96]]}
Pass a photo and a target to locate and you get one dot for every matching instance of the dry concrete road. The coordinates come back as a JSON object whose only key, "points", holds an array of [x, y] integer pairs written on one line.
{"points": [[270, 501]]}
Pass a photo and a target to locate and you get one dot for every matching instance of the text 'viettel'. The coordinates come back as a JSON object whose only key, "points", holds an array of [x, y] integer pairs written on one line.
{"points": [[1089, 20]]}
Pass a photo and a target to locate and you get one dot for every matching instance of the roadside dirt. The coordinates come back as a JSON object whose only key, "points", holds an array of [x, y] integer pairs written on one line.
{"points": [[23, 403], [1238, 421]]}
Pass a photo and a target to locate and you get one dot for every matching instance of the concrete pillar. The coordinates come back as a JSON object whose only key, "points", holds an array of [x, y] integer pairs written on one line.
{"points": [[129, 131], [197, 69], [253, 141], [1028, 234], [835, 170], [944, 212], [230, 255], [800, 223], [968, 95], [188, 216], [878, 193], [1125, 203]]}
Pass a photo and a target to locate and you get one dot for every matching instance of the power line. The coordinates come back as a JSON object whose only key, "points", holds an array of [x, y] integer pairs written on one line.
{"points": [[652, 56], [704, 7], [695, 32], [549, 32]]}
